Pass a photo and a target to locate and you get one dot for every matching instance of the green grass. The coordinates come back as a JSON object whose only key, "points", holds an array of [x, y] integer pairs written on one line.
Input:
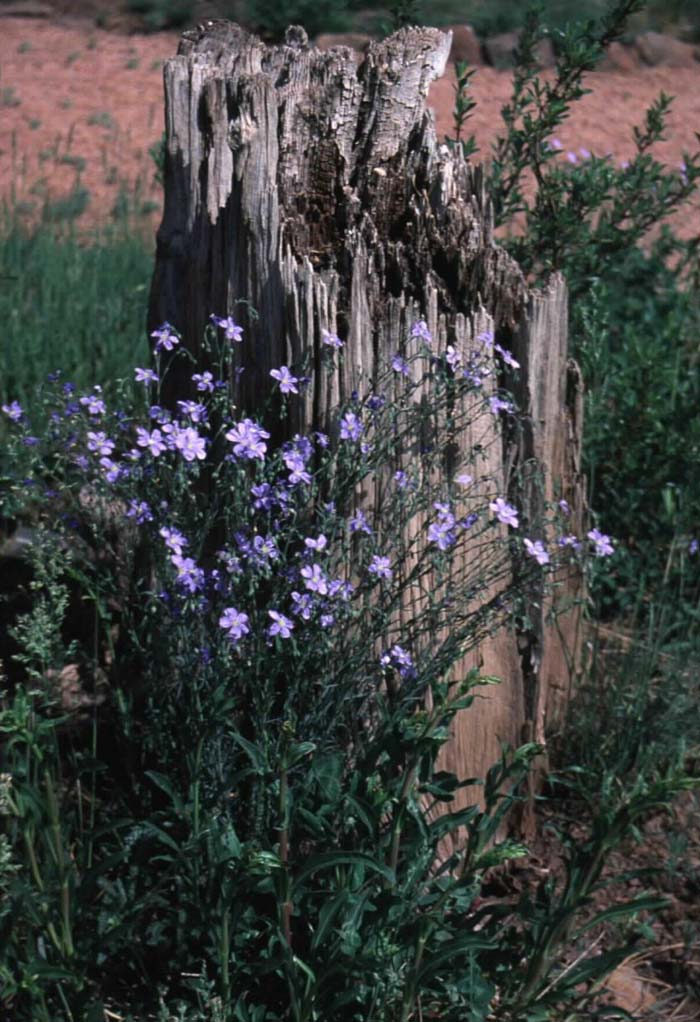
{"points": [[71, 303]]}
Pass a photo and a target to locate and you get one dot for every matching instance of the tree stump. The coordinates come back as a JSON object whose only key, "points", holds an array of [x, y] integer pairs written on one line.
{"points": [[303, 194]]}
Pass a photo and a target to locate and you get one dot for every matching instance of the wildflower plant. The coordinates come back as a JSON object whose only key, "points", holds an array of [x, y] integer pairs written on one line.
{"points": [[283, 627]]}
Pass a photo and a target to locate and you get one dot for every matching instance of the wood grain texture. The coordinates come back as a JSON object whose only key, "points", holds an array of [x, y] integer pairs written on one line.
{"points": [[314, 192]]}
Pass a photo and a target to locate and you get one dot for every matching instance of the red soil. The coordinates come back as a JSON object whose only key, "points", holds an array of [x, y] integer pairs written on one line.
{"points": [[80, 106]]}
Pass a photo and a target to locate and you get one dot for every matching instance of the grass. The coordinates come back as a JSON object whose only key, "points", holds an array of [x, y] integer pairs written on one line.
{"points": [[70, 302]]}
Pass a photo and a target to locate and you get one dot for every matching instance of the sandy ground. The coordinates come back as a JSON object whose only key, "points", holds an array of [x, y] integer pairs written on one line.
{"points": [[80, 107]]}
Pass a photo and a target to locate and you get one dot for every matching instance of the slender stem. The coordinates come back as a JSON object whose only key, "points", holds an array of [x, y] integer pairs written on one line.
{"points": [[225, 949], [286, 906]]}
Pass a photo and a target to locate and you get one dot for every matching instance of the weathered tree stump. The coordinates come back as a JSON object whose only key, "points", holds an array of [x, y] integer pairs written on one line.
{"points": [[304, 193]]}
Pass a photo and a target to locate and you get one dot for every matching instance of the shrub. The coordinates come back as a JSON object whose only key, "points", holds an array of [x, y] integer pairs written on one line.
{"points": [[160, 14], [633, 316], [236, 799]]}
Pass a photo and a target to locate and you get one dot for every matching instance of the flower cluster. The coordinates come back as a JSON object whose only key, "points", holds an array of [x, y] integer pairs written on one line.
{"points": [[291, 558]]}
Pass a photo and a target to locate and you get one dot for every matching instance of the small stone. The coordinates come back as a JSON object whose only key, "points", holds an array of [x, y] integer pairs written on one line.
{"points": [[657, 49], [619, 58], [26, 9]]}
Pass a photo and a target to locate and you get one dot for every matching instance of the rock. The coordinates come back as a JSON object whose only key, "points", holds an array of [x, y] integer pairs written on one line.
{"points": [[619, 58], [500, 51], [465, 45], [629, 990], [655, 49], [26, 9], [355, 40]]}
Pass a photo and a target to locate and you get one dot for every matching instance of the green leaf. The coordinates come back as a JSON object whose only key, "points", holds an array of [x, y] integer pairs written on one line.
{"points": [[453, 949], [328, 860], [165, 784], [642, 904]]}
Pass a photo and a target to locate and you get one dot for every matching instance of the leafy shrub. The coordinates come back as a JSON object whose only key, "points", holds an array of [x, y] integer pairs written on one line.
{"points": [[239, 803], [490, 18], [272, 18], [159, 14], [634, 318]]}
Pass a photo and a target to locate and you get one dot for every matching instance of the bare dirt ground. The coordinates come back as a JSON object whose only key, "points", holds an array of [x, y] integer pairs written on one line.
{"points": [[80, 107]]}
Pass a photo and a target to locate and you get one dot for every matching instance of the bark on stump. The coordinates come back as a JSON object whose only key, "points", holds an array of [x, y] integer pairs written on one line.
{"points": [[304, 193]]}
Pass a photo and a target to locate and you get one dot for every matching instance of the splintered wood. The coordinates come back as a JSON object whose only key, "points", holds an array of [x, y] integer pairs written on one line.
{"points": [[305, 193]]}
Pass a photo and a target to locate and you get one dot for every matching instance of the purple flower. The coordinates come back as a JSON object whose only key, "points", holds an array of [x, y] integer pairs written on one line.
{"points": [[197, 412], [294, 460], [380, 566], [248, 440], [155, 441], [235, 622], [30, 441], [204, 381], [314, 579], [111, 470], [263, 496], [264, 550], [556, 144], [401, 479], [453, 358], [93, 402], [327, 620], [441, 532], [400, 365], [350, 427], [232, 332], [693, 547], [572, 157], [332, 340], [420, 330], [230, 561], [504, 512], [190, 444], [189, 575], [139, 510], [506, 356], [564, 507], [398, 657], [281, 625], [322, 439], [100, 444], [571, 541], [165, 337], [287, 382], [303, 605], [174, 540], [359, 523], [13, 410], [602, 544], [316, 544], [471, 519], [161, 415], [485, 338], [339, 587], [145, 376], [464, 479], [585, 153], [537, 550], [498, 405]]}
